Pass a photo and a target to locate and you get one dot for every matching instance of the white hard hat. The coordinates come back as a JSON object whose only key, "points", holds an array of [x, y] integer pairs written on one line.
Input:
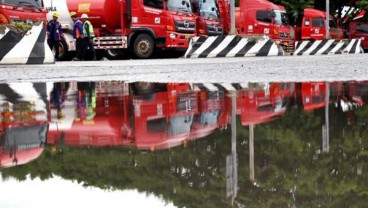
{"points": [[84, 16]]}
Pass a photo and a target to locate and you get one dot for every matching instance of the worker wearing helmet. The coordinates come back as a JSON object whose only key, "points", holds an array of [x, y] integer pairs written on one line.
{"points": [[77, 35], [88, 33], [54, 34]]}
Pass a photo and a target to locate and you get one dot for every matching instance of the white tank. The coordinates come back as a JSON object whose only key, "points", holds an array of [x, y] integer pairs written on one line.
{"points": [[61, 7]]}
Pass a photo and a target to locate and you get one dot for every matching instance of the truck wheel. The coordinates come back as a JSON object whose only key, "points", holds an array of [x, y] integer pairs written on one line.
{"points": [[143, 88], [63, 51], [143, 46], [113, 54], [100, 54]]}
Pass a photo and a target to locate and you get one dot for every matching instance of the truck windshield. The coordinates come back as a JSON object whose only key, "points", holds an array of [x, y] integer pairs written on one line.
{"points": [[208, 9], [361, 27], [280, 17], [23, 3], [179, 6]]}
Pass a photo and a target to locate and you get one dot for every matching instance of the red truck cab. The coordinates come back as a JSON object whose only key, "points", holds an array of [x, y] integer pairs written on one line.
{"points": [[261, 17], [28, 11], [359, 29], [314, 26], [209, 19]]}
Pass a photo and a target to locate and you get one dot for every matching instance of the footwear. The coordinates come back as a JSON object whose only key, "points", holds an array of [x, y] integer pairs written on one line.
{"points": [[75, 59]]}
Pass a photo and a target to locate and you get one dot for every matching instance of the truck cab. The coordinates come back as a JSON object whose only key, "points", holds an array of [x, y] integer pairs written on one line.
{"points": [[28, 11], [209, 19], [261, 17], [359, 29], [314, 26], [160, 24]]}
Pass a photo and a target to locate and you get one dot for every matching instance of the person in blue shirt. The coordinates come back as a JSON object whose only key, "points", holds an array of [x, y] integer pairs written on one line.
{"points": [[54, 34], [78, 35]]}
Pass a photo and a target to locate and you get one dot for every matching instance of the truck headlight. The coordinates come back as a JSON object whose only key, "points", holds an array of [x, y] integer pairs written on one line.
{"points": [[172, 35]]}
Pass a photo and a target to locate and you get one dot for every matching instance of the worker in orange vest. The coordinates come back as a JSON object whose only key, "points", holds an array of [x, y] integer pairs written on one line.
{"points": [[77, 35]]}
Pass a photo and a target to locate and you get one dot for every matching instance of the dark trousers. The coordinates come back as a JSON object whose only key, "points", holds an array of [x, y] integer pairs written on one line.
{"points": [[89, 52], [54, 45], [79, 48]]}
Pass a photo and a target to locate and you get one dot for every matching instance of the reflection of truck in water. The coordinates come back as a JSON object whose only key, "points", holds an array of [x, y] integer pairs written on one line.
{"points": [[23, 125], [141, 26], [311, 95], [211, 107], [263, 103], [141, 115]]}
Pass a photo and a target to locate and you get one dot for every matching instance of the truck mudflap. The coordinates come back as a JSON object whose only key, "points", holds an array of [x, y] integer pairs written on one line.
{"points": [[178, 40], [110, 42]]}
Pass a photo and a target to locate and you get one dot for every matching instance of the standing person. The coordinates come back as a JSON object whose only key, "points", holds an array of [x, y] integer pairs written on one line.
{"points": [[54, 34], [88, 33], [77, 35]]}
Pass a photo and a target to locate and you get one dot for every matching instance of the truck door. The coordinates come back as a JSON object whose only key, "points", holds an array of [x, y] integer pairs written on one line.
{"points": [[150, 15], [264, 21], [318, 30]]}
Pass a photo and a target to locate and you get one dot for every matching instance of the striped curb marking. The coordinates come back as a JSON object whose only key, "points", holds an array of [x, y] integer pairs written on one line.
{"points": [[232, 46], [323, 47], [29, 48]]}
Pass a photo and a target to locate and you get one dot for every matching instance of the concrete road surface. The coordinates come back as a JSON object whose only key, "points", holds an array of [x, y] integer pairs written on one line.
{"points": [[227, 70]]}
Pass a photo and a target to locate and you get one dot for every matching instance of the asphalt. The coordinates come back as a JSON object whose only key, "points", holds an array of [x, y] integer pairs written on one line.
{"points": [[225, 70]]}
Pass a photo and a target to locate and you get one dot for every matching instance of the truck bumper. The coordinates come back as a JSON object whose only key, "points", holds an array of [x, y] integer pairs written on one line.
{"points": [[287, 45], [178, 40]]}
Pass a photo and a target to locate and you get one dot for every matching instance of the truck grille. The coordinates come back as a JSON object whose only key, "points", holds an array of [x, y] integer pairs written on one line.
{"points": [[185, 26], [213, 30]]}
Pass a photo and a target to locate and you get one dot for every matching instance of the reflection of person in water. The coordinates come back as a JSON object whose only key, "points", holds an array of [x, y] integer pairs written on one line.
{"points": [[58, 96], [86, 101]]}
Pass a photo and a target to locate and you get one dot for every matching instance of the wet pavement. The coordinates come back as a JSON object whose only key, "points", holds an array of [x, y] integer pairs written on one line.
{"points": [[139, 144]]}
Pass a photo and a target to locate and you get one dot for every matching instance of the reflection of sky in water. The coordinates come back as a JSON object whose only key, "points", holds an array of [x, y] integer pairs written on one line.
{"points": [[58, 192]]}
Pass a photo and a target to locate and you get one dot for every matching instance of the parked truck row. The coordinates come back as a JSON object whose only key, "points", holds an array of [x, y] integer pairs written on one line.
{"points": [[143, 26]]}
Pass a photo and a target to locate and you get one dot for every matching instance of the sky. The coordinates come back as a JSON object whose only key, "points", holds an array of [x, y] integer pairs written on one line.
{"points": [[58, 192]]}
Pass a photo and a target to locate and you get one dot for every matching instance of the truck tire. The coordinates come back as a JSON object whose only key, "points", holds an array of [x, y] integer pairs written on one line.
{"points": [[113, 54], [143, 46], [143, 88], [100, 54], [64, 54]]}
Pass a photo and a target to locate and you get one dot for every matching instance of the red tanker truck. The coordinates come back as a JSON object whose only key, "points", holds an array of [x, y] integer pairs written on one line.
{"points": [[141, 26], [21, 11]]}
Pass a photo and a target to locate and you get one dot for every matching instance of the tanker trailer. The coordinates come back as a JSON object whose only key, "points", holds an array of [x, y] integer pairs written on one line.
{"points": [[129, 26]]}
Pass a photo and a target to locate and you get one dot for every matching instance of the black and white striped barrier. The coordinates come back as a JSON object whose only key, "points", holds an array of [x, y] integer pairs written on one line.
{"points": [[324, 47], [29, 48], [232, 46]]}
